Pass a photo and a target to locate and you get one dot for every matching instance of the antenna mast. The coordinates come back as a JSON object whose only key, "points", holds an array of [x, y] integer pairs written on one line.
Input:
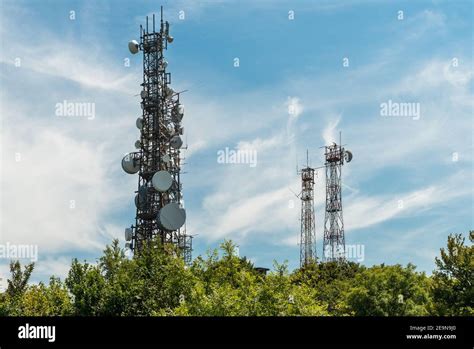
{"points": [[308, 231], [334, 245], [159, 199]]}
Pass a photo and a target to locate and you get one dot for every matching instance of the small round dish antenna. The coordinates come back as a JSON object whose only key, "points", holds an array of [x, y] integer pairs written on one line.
{"points": [[166, 159], [130, 164], [137, 203], [347, 156], [176, 142], [133, 46], [138, 144], [139, 123], [171, 217], [141, 198], [162, 181]]}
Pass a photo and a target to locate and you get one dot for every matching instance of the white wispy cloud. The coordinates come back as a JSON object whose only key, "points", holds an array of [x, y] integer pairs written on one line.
{"points": [[330, 133], [363, 211]]}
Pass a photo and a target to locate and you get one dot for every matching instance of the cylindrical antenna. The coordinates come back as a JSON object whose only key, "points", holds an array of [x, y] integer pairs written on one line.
{"points": [[161, 11]]}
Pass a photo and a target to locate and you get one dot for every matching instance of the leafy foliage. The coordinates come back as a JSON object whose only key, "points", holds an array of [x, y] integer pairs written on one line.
{"points": [[453, 282], [22, 299], [157, 283], [389, 291]]}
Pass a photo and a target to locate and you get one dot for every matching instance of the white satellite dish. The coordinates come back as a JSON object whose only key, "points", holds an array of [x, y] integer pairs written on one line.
{"points": [[133, 46], [348, 156], [130, 165], [138, 144], [128, 234], [162, 181], [171, 217], [166, 159], [139, 123], [176, 142], [144, 94], [170, 39]]}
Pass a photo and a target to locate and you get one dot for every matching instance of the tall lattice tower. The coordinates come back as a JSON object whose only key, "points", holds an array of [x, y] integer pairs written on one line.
{"points": [[158, 200], [334, 245], [308, 231]]}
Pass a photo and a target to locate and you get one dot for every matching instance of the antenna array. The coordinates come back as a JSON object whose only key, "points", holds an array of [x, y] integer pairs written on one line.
{"points": [[334, 240], [158, 200], [308, 232]]}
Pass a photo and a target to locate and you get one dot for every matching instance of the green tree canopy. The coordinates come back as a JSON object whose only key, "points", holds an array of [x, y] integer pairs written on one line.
{"points": [[453, 280], [156, 282]]}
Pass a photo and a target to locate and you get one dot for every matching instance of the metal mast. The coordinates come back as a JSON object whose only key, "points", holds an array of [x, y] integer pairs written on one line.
{"points": [[334, 241], [308, 232], [159, 201]]}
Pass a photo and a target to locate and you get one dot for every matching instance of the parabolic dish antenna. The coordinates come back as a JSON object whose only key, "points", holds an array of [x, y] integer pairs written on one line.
{"points": [[138, 144], [140, 198], [136, 201], [139, 123], [166, 159], [128, 234], [133, 46], [129, 164], [162, 181], [144, 94], [348, 156], [176, 142], [171, 217]]}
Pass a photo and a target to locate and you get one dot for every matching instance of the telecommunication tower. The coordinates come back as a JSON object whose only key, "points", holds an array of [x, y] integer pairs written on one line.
{"points": [[158, 200], [334, 245], [308, 231]]}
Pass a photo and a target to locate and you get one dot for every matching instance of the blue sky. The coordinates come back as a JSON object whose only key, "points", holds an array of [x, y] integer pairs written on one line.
{"points": [[424, 58]]}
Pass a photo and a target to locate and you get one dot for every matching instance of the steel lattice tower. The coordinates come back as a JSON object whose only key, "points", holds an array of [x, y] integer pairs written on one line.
{"points": [[158, 163], [334, 245], [308, 231]]}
